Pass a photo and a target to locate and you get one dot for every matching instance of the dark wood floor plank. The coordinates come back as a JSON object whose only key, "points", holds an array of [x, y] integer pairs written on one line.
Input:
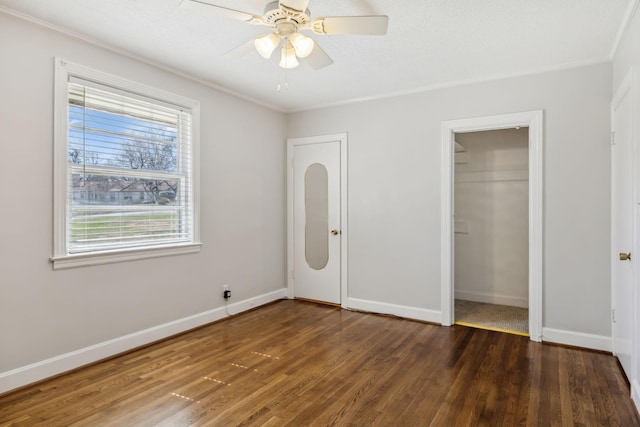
{"points": [[515, 368], [603, 404], [465, 369], [550, 387], [303, 364], [404, 380]]}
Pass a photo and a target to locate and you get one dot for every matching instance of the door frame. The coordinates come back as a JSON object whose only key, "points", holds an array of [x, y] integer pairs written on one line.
{"points": [[626, 88], [533, 120], [342, 138]]}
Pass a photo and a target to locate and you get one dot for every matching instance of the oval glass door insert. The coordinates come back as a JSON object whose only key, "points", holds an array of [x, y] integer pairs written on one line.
{"points": [[316, 202]]}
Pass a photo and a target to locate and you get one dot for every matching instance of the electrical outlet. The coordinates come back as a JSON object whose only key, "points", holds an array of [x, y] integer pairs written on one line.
{"points": [[226, 292]]}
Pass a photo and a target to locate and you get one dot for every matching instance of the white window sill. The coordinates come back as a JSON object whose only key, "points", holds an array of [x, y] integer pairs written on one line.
{"points": [[123, 255]]}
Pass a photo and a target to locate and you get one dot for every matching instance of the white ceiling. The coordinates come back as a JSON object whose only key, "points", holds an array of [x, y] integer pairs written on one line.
{"points": [[430, 43]]}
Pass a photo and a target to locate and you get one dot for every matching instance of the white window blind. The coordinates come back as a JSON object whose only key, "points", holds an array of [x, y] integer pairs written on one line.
{"points": [[129, 170]]}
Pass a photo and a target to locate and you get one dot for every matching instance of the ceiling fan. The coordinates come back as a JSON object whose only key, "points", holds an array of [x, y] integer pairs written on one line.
{"points": [[286, 18]]}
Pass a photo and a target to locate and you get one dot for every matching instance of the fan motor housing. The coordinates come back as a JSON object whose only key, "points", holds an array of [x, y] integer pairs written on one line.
{"points": [[274, 14]]}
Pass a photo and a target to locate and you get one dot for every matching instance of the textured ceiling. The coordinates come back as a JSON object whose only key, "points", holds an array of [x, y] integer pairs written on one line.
{"points": [[430, 43]]}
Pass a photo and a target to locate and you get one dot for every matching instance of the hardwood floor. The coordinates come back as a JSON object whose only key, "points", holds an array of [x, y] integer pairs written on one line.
{"points": [[299, 363]]}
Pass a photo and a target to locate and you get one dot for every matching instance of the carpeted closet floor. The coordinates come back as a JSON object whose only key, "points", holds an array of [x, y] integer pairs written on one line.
{"points": [[492, 316]]}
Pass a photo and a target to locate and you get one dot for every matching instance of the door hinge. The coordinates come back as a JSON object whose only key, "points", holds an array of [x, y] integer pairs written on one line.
{"points": [[293, 274], [613, 315], [613, 138]]}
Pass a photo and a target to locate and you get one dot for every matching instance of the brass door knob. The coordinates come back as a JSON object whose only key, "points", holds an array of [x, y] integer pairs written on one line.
{"points": [[625, 257], [335, 232]]}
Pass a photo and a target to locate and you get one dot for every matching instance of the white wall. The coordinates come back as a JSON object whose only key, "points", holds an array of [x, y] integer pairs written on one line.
{"points": [[626, 58], [394, 198], [46, 313], [492, 217], [394, 189]]}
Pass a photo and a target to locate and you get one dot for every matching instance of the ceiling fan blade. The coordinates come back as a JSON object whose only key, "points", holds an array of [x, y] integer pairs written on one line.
{"points": [[241, 50], [205, 7], [299, 6], [318, 58], [364, 25]]}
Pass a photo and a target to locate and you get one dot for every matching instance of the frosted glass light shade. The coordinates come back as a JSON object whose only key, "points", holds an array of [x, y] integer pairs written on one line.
{"points": [[265, 45], [288, 56], [303, 45]]}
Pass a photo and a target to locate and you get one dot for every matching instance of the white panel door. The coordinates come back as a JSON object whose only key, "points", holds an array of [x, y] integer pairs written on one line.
{"points": [[316, 221], [622, 178]]}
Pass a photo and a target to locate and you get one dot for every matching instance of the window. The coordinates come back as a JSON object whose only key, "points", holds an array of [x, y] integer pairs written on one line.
{"points": [[125, 181]]}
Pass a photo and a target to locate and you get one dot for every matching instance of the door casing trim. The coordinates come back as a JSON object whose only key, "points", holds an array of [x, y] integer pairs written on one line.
{"points": [[534, 120], [626, 88], [342, 138]]}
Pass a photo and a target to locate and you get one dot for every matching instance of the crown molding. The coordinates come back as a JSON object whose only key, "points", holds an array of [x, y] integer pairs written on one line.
{"points": [[155, 64], [458, 83]]}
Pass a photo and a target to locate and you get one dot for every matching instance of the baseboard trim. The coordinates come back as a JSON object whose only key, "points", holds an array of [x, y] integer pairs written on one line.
{"points": [[408, 312], [56, 365], [635, 394], [577, 339], [491, 298]]}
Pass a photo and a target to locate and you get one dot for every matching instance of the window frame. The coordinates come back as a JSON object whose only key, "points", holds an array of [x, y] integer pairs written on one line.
{"points": [[62, 259]]}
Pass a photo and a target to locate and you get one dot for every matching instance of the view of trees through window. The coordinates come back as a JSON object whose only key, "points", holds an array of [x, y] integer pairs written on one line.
{"points": [[126, 180]]}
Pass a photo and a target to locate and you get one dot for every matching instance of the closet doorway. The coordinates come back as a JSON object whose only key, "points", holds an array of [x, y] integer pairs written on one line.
{"points": [[533, 120], [491, 230]]}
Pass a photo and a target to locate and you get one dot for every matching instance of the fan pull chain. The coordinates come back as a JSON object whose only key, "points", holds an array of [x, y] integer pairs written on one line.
{"points": [[284, 86]]}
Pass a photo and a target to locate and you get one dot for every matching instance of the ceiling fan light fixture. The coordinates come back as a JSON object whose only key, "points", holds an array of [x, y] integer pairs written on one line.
{"points": [[302, 45], [288, 56], [284, 18], [265, 45]]}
